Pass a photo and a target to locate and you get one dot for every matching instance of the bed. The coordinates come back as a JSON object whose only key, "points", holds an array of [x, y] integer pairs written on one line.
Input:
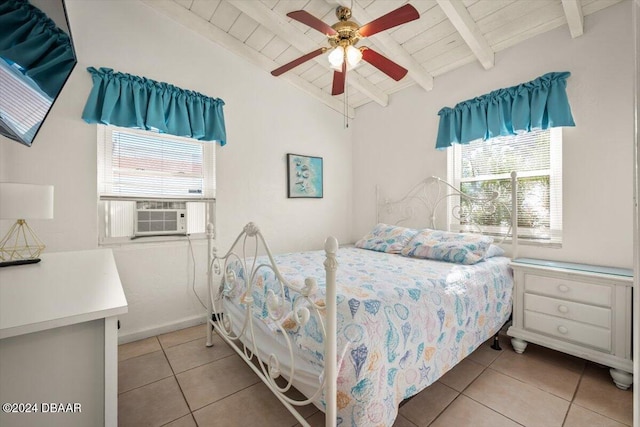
{"points": [[400, 320]]}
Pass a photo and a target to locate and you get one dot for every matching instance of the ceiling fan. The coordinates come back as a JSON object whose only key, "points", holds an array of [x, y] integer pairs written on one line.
{"points": [[344, 35]]}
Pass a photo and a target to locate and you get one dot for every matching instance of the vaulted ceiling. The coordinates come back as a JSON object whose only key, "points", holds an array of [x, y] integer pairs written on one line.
{"points": [[448, 35]]}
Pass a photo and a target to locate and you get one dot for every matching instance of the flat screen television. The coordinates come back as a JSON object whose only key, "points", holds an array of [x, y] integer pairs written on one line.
{"points": [[36, 58]]}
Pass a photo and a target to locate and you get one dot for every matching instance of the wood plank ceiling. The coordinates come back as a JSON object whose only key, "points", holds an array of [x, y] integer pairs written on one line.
{"points": [[448, 35]]}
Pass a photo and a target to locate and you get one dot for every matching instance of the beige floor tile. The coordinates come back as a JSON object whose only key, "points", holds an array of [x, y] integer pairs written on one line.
{"points": [[318, 420], [307, 410], [195, 353], [465, 412], [315, 420], [182, 336], [138, 348], [152, 405], [216, 380], [549, 370], [186, 421], [293, 393], [528, 389], [581, 417], [142, 370], [485, 355], [516, 400], [598, 393], [461, 375], [424, 407], [403, 422], [253, 406]]}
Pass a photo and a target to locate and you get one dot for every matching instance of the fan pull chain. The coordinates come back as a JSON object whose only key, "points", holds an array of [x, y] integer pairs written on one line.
{"points": [[345, 100]]}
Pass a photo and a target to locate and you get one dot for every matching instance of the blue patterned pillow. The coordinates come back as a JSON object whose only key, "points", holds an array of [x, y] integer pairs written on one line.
{"points": [[387, 238], [460, 248]]}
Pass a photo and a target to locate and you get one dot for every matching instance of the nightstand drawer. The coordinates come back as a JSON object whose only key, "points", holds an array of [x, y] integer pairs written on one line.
{"points": [[568, 330], [597, 316], [589, 293]]}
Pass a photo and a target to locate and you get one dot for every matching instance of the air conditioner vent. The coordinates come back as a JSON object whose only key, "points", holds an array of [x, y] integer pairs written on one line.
{"points": [[154, 218]]}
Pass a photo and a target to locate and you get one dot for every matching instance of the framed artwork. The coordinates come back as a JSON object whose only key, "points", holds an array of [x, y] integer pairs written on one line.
{"points": [[304, 177]]}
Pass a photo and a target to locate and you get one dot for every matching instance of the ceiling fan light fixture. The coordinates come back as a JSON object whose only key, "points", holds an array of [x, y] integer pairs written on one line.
{"points": [[354, 56], [336, 58]]}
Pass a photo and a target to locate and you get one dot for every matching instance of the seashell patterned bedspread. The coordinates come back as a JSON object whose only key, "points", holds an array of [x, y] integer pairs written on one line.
{"points": [[402, 322]]}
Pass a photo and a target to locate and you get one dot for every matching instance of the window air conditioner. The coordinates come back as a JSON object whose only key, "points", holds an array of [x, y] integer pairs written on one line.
{"points": [[160, 218]]}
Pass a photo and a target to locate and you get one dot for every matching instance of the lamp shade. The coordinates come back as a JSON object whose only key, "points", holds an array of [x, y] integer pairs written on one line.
{"points": [[336, 58], [26, 201], [354, 56]]}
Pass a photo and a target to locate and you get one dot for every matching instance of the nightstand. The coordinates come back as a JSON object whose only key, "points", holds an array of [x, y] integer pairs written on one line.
{"points": [[579, 309]]}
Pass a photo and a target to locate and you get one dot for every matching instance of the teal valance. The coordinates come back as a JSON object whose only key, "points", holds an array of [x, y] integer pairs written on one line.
{"points": [[125, 100], [30, 39], [539, 104]]}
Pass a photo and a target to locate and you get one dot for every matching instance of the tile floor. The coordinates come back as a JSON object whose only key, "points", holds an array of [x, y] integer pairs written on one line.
{"points": [[175, 380]]}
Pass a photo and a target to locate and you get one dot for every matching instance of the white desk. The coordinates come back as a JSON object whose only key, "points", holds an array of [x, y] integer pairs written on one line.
{"points": [[58, 326]]}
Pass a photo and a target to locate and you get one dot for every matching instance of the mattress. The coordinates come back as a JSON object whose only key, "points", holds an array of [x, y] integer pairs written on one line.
{"points": [[401, 322]]}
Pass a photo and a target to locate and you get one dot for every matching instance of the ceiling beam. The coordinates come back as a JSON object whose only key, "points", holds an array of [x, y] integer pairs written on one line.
{"points": [[280, 25], [201, 26], [575, 17], [389, 46], [469, 30]]}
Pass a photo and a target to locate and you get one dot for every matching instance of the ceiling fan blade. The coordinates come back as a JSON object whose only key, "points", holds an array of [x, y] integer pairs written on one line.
{"points": [[384, 64], [296, 62], [338, 80], [310, 20], [396, 17]]}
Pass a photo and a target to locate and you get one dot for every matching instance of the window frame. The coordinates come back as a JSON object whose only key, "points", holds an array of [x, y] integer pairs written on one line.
{"points": [[104, 200], [526, 235]]}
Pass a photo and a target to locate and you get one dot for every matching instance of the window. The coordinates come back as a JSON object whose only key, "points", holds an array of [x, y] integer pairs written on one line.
{"points": [[152, 184], [481, 167]]}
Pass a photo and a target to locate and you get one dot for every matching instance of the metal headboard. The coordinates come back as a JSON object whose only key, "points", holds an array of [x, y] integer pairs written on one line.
{"points": [[433, 196]]}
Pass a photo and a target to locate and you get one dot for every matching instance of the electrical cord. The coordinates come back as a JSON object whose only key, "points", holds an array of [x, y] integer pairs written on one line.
{"points": [[193, 282]]}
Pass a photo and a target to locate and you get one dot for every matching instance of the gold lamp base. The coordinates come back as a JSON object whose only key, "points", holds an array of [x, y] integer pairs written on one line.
{"points": [[20, 245]]}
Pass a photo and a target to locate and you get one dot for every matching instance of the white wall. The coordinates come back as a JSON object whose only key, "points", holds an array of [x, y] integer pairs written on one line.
{"points": [[265, 117], [397, 142], [3, 162]]}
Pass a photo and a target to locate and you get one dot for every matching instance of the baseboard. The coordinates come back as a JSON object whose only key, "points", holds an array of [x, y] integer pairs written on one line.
{"points": [[162, 329]]}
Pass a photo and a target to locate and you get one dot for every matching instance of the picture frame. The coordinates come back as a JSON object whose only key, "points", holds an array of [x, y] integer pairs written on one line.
{"points": [[305, 178]]}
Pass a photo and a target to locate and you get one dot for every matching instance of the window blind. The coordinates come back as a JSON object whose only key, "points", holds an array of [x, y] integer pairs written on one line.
{"points": [[482, 167], [22, 118], [143, 164]]}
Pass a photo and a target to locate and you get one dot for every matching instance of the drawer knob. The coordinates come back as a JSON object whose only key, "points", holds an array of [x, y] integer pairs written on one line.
{"points": [[563, 330], [563, 288], [563, 309]]}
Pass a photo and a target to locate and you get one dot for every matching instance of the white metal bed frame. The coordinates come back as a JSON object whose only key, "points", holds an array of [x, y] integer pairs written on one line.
{"points": [[429, 194], [243, 338]]}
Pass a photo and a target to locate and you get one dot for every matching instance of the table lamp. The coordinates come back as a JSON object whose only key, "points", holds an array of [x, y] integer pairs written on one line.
{"points": [[21, 202]]}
